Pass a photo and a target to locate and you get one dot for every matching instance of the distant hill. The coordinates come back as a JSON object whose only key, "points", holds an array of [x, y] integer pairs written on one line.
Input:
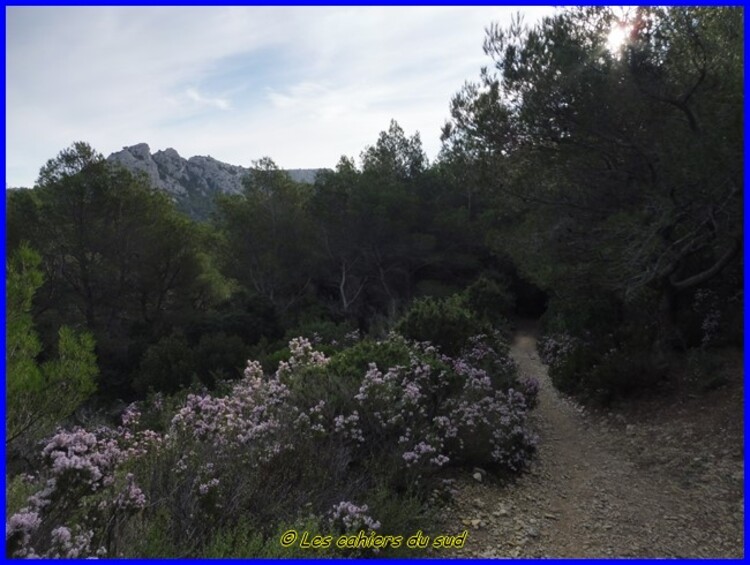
{"points": [[192, 183]]}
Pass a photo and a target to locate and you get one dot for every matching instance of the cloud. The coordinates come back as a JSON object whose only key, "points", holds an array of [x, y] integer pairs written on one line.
{"points": [[195, 96], [301, 84]]}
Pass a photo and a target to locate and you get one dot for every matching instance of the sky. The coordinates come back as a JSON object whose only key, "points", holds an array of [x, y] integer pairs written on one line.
{"points": [[303, 85]]}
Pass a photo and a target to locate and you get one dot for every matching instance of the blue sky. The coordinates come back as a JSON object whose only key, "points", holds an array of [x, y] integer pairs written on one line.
{"points": [[303, 85]]}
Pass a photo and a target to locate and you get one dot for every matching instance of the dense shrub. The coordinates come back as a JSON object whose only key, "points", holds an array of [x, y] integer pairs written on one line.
{"points": [[554, 348], [220, 357], [447, 323], [360, 440], [568, 364], [582, 313], [249, 317], [623, 372], [602, 370], [167, 366], [491, 299]]}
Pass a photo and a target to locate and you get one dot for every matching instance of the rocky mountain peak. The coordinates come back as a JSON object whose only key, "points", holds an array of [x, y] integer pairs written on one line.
{"points": [[192, 183], [140, 151]]}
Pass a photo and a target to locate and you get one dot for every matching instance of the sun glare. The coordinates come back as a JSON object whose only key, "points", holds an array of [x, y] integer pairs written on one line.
{"points": [[617, 37]]}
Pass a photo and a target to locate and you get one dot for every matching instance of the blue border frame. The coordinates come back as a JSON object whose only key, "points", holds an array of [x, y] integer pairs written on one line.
{"points": [[746, 237]]}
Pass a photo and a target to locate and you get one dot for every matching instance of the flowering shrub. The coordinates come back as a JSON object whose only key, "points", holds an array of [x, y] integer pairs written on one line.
{"points": [[351, 518], [554, 348], [302, 355], [529, 387], [300, 442], [82, 477]]}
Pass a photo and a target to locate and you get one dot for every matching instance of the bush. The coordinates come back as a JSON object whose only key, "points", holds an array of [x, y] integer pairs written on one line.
{"points": [[622, 372], [359, 441], [220, 357], [568, 358], [582, 313], [167, 366], [446, 323], [492, 300], [250, 317], [599, 371], [323, 333]]}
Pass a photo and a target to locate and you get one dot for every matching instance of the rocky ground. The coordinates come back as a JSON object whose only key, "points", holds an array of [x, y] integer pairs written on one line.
{"points": [[660, 478]]}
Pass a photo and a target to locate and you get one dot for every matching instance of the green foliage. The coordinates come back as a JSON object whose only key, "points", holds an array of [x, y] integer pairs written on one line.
{"points": [[220, 357], [435, 289], [446, 323], [267, 242], [395, 155], [491, 299], [623, 373], [242, 541], [583, 312], [74, 368], [339, 382], [607, 369], [243, 314], [567, 374], [611, 172], [354, 361], [40, 394], [22, 346], [151, 539], [612, 181], [17, 491], [119, 259], [167, 366]]}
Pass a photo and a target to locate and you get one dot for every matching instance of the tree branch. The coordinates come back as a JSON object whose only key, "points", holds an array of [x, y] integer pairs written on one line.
{"points": [[710, 272]]}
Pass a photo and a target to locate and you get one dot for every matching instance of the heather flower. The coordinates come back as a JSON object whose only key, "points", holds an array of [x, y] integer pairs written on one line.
{"points": [[249, 417], [204, 488], [158, 401], [348, 426], [131, 416], [352, 517], [353, 336], [18, 531], [79, 457], [422, 451], [254, 370], [302, 354], [553, 349], [529, 387], [132, 498], [67, 544], [430, 411]]}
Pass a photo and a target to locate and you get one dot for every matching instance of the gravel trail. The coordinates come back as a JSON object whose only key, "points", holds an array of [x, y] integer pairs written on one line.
{"points": [[590, 493]]}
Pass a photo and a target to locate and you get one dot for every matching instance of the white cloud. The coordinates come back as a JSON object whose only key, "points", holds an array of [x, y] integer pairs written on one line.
{"points": [[301, 84], [195, 96]]}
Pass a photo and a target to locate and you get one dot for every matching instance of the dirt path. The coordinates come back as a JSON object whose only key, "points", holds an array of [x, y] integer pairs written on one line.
{"points": [[590, 494]]}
